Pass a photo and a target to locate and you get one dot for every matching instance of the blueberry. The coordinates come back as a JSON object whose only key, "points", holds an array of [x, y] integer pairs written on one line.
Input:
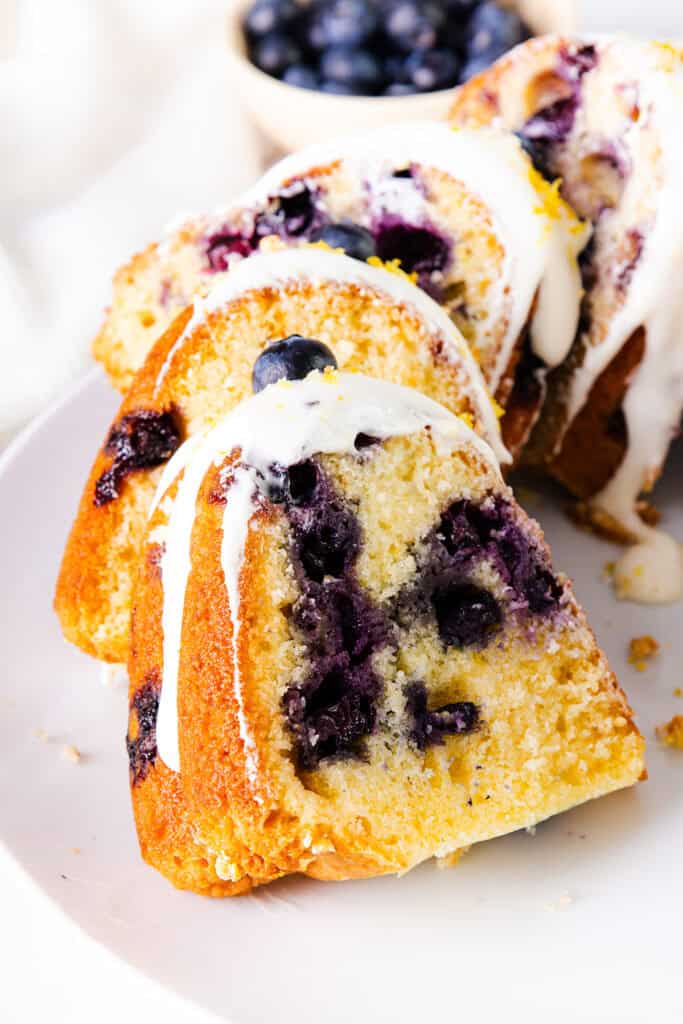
{"points": [[139, 440], [269, 16], [474, 66], [400, 89], [466, 615], [222, 246], [432, 69], [273, 53], [301, 76], [355, 240], [492, 30], [410, 25], [419, 248], [342, 23], [142, 751], [340, 89], [356, 68], [292, 358], [431, 727]]}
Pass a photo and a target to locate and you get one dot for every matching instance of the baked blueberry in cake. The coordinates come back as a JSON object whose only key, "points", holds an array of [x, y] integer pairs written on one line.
{"points": [[350, 650], [372, 320], [466, 213], [598, 117]]}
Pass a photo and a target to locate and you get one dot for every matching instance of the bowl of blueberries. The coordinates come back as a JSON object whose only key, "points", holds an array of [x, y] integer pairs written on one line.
{"points": [[311, 70]]}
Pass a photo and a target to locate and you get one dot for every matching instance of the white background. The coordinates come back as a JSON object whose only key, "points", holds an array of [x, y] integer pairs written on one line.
{"points": [[79, 197]]}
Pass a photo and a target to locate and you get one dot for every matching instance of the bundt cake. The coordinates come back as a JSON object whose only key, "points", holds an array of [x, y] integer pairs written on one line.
{"points": [[601, 118], [465, 212], [350, 651], [376, 321]]}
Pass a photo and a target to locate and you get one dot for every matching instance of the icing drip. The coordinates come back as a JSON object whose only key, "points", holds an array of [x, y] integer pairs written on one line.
{"points": [[283, 425], [653, 298], [652, 571], [314, 265]]}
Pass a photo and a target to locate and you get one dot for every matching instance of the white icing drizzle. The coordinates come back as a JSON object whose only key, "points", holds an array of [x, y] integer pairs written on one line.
{"points": [[314, 265], [283, 425], [654, 300], [651, 572], [540, 250]]}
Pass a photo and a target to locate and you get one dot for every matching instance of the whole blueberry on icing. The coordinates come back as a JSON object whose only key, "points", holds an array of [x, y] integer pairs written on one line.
{"points": [[292, 358], [466, 615], [355, 240]]}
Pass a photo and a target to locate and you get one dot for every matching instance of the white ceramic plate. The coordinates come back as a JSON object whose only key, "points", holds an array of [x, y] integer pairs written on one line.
{"points": [[581, 922]]}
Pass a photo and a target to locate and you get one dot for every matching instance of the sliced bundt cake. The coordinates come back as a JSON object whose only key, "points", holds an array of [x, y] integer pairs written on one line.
{"points": [[378, 322], [463, 211], [350, 651], [600, 117]]}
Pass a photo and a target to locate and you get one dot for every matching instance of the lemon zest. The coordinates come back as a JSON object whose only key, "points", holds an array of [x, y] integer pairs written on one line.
{"points": [[393, 267]]}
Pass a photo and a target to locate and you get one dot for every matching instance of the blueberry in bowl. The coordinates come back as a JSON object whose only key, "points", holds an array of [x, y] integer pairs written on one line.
{"points": [[377, 47], [352, 61]]}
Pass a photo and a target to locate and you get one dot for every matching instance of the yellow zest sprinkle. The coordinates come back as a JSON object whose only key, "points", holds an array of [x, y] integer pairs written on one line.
{"points": [[330, 374], [325, 246], [608, 569], [670, 56], [497, 408], [678, 692], [393, 266], [553, 205], [467, 418]]}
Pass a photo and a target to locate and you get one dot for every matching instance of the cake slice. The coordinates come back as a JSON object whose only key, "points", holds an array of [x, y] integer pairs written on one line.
{"points": [[463, 211], [350, 651], [378, 322], [599, 117]]}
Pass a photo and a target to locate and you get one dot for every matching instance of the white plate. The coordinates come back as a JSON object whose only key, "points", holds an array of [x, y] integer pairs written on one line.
{"points": [[580, 922]]}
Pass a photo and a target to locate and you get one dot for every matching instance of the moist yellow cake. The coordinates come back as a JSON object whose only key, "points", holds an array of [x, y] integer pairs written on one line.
{"points": [[462, 211], [350, 651], [375, 321]]}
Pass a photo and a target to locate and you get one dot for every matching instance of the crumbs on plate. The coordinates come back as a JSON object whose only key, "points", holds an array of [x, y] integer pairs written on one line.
{"points": [[641, 650], [671, 734]]}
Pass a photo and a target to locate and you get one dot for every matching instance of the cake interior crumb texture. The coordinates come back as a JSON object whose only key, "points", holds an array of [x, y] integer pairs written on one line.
{"points": [[429, 684]]}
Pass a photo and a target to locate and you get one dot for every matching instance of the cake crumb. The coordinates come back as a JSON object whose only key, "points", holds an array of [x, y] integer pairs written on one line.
{"points": [[563, 902], [76, 850], [608, 571], [41, 734], [671, 733], [641, 650], [71, 753], [531, 830]]}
